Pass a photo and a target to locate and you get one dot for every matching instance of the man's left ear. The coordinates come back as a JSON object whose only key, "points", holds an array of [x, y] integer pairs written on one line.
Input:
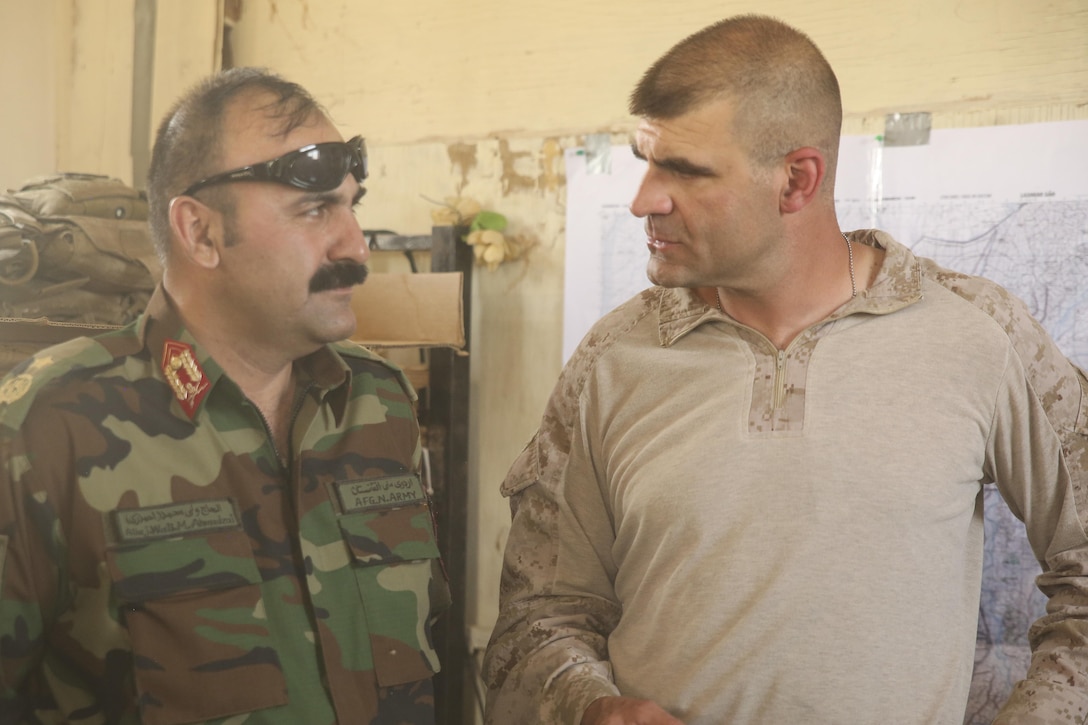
{"points": [[196, 230], [805, 169]]}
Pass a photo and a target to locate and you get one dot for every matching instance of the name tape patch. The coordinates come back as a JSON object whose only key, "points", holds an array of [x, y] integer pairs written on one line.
{"points": [[379, 493], [155, 522]]}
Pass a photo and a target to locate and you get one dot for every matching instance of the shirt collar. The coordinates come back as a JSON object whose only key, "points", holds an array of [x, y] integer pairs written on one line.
{"points": [[898, 283], [161, 330]]}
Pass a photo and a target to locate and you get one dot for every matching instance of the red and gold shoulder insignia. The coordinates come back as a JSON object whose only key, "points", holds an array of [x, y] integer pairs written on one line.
{"points": [[184, 374]]}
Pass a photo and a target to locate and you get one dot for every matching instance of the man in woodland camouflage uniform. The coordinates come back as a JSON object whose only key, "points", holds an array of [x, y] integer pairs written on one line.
{"points": [[215, 512]]}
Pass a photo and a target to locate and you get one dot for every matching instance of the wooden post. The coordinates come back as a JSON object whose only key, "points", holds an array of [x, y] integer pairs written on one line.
{"points": [[447, 441]]}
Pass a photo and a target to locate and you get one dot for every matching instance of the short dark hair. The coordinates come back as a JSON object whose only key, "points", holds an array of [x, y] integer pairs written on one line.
{"points": [[188, 144], [785, 91]]}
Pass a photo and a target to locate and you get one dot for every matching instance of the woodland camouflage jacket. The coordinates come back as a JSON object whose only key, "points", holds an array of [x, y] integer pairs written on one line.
{"points": [[160, 565]]}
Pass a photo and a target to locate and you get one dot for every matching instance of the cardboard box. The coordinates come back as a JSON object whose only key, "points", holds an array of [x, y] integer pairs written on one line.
{"points": [[410, 310]]}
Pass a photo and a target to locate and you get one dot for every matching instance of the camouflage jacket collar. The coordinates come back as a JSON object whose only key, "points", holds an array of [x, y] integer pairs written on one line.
{"points": [[195, 373], [898, 284]]}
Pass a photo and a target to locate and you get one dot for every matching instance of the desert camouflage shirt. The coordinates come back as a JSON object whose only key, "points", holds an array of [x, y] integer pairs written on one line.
{"points": [[160, 564], [751, 535]]}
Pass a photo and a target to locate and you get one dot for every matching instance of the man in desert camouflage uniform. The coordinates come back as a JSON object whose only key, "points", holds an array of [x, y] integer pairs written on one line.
{"points": [[214, 514], [755, 497]]}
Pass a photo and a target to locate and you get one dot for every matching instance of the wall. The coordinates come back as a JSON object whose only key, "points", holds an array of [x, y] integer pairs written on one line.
{"points": [[480, 97], [68, 83], [27, 115]]}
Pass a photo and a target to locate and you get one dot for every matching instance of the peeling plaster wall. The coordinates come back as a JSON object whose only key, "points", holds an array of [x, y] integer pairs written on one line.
{"points": [[434, 69], [480, 98]]}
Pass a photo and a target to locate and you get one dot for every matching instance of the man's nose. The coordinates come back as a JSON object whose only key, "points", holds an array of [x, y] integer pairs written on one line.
{"points": [[349, 241], [651, 197]]}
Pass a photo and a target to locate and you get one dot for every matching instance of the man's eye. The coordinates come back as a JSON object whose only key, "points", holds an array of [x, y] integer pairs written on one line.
{"points": [[687, 172]]}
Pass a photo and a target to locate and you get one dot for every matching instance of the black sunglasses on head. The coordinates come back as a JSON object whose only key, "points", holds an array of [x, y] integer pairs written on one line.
{"points": [[317, 167]]}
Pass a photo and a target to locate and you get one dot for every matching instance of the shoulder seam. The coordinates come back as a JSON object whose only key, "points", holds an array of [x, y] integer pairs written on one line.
{"points": [[651, 301]]}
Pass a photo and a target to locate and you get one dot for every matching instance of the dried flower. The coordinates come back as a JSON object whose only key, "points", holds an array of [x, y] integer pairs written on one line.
{"points": [[490, 245], [455, 210]]}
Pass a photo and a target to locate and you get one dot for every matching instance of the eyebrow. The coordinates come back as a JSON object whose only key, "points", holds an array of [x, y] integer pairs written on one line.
{"points": [[678, 165], [329, 197]]}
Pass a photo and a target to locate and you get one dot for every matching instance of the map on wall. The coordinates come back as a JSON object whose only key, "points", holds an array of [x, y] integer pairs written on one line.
{"points": [[1009, 203]]}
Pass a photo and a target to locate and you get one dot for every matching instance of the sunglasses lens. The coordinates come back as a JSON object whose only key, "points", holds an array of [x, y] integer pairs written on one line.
{"points": [[323, 167], [320, 169], [358, 157]]}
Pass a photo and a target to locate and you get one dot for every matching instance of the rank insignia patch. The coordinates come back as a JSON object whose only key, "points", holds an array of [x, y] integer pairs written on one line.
{"points": [[14, 388], [184, 374]]}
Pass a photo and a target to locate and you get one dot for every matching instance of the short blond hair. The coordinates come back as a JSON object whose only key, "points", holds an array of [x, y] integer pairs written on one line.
{"points": [[785, 91]]}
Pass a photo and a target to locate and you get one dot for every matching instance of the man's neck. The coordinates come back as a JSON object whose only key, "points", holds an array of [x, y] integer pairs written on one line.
{"points": [[264, 373], [780, 319], [267, 383], [804, 296]]}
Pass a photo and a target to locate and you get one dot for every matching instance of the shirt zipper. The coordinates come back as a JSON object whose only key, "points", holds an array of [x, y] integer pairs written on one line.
{"points": [[780, 379], [285, 463]]}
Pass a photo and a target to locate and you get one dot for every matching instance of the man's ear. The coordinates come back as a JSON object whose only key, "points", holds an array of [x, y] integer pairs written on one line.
{"points": [[805, 170], [197, 230]]}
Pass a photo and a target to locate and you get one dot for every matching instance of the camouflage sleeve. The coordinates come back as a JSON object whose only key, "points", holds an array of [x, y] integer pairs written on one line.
{"points": [[547, 659], [1039, 459], [29, 567]]}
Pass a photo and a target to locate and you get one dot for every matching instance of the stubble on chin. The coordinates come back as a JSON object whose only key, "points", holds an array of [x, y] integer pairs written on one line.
{"points": [[663, 274]]}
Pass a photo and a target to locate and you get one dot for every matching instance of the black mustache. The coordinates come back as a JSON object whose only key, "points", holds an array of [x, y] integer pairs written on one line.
{"points": [[340, 274]]}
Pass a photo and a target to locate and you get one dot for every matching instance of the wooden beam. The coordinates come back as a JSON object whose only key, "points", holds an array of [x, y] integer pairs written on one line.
{"points": [[447, 421]]}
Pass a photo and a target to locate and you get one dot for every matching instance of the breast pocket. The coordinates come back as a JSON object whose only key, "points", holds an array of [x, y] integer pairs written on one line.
{"points": [[201, 644], [396, 564]]}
